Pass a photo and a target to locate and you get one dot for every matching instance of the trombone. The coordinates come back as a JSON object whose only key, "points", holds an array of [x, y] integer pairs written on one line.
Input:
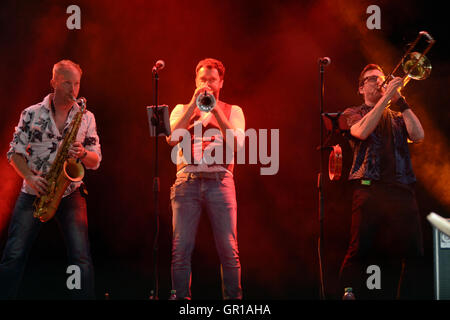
{"points": [[415, 65]]}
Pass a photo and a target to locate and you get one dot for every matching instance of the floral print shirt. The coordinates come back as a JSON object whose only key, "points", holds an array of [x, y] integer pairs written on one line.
{"points": [[37, 138]]}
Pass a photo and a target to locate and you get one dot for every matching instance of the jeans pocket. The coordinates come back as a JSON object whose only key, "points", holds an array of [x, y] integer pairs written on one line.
{"points": [[178, 183]]}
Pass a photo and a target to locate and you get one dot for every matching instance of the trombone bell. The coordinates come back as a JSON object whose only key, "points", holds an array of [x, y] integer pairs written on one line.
{"points": [[422, 67]]}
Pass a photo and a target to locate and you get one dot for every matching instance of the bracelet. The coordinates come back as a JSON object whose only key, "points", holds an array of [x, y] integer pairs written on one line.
{"points": [[402, 104]]}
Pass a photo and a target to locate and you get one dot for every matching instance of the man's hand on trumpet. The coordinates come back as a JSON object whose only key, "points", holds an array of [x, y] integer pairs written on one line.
{"points": [[198, 91]]}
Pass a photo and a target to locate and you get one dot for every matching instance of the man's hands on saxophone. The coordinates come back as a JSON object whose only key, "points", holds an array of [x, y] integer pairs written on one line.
{"points": [[35, 181], [89, 158], [38, 183], [77, 150]]}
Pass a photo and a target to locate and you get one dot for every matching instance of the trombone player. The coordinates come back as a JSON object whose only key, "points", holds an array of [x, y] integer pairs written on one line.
{"points": [[385, 216], [41, 129]]}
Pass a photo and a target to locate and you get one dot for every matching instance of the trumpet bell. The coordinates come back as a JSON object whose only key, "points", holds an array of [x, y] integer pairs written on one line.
{"points": [[206, 101], [421, 71]]}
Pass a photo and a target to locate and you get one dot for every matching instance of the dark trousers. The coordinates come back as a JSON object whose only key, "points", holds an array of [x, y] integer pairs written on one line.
{"points": [[23, 230], [385, 232]]}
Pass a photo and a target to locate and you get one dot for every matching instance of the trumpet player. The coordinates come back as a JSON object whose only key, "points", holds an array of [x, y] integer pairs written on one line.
{"points": [[386, 230], [204, 183], [42, 128]]}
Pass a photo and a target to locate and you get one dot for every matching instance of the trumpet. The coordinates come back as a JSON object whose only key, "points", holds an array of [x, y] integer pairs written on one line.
{"points": [[205, 101], [415, 65]]}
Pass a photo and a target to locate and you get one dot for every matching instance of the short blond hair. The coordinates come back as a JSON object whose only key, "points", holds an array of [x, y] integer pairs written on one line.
{"points": [[64, 65]]}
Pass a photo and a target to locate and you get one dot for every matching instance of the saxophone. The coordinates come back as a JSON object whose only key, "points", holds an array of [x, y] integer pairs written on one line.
{"points": [[63, 171]]}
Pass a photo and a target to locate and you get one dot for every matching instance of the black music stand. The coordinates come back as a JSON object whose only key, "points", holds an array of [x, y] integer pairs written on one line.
{"points": [[334, 123]]}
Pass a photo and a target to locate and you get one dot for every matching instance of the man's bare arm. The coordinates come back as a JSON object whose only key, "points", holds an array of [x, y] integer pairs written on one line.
{"points": [[38, 183]]}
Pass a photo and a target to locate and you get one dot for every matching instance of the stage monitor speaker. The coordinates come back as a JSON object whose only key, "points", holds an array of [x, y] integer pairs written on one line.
{"points": [[441, 245]]}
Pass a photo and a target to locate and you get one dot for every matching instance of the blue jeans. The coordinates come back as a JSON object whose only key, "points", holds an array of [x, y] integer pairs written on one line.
{"points": [[23, 230], [187, 195]]}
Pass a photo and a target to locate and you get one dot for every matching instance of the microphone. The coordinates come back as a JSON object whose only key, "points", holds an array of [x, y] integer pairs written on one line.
{"points": [[325, 61], [160, 64]]}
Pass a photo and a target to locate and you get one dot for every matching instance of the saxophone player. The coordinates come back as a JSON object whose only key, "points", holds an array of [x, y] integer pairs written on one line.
{"points": [[41, 130]]}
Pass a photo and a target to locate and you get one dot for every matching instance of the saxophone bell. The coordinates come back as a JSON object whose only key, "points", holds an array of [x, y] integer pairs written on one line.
{"points": [[73, 170]]}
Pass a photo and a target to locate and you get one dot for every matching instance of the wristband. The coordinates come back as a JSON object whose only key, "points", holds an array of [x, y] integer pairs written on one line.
{"points": [[402, 104]]}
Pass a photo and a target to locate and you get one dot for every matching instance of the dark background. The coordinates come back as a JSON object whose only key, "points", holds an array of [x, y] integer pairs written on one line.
{"points": [[270, 51]]}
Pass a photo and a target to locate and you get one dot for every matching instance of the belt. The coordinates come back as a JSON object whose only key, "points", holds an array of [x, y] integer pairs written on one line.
{"points": [[203, 175], [362, 182]]}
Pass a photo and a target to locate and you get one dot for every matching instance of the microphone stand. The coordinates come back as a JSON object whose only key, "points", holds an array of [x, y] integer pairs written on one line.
{"points": [[320, 184], [158, 118], [155, 121]]}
